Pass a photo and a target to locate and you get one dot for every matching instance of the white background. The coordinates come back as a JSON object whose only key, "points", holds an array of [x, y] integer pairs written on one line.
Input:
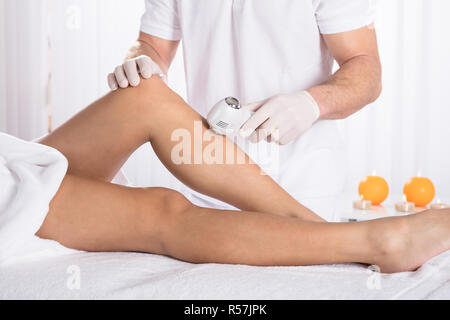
{"points": [[404, 132]]}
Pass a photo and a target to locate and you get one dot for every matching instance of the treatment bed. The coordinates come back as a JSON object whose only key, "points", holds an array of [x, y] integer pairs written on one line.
{"points": [[145, 276]]}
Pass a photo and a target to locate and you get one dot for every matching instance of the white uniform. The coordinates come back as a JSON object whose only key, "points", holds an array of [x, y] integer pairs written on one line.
{"points": [[254, 49]]}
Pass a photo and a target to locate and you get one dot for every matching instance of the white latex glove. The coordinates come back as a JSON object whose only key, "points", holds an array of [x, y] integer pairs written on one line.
{"points": [[129, 74], [282, 118]]}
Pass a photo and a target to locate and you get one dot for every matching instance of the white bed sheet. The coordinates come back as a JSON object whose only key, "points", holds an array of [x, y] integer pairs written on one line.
{"points": [[144, 276]]}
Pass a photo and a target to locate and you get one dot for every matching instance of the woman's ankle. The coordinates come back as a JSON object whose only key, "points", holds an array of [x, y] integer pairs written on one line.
{"points": [[387, 238]]}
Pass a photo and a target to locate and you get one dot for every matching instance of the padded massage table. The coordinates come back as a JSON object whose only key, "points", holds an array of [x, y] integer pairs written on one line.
{"points": [[144, 276]]}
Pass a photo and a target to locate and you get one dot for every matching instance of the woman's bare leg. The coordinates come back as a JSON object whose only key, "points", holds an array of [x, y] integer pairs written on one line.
{"points": [[94, 215], [90, 214], [100, 139]]}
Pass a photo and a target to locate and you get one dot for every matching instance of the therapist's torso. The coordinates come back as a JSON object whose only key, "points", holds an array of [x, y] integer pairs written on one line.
{"points": [[252, 50]]}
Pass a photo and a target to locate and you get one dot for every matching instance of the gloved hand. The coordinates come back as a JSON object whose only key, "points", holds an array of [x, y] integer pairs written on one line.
{"points": [[282, 118], [131, 71]]}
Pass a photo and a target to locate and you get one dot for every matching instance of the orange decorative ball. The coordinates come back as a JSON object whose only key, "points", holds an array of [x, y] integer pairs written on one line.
{"points": [[374, 188], [419, 190]]}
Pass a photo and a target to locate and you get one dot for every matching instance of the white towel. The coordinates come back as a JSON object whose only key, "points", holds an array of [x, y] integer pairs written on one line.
{"points": [[30, 175], [144, 276]]}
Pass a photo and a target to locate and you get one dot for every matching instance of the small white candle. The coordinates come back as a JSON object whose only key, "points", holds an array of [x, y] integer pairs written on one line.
{"points": [[405, 206], [439, 205], [362, 204]]}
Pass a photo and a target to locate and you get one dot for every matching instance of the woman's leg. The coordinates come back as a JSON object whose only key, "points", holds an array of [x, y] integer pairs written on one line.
{"points": [[100, 139], [97, 216], [94, 215]]}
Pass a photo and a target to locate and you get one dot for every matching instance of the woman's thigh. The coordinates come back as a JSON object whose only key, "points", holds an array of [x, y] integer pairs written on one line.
{"points": [[98, 140], [93, 215]]}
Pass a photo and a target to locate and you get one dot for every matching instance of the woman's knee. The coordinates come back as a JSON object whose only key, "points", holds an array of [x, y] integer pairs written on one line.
{"points": [[158, 211], [161, 206], [172, 202]]}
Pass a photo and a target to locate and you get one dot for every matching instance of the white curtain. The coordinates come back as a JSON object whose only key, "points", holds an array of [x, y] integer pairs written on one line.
{"points": [[23, 67], [406, 131]]}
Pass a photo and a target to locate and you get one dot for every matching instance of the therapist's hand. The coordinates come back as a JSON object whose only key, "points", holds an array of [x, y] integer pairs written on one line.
{"points": [[282, 118], [131, 71]]}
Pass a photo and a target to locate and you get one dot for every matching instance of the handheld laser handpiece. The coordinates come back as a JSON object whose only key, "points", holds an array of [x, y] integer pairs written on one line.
{"points": [[228, 116]]}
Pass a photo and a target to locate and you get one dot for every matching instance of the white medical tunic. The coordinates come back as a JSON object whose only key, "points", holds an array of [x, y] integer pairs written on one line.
{"points": [[252, 50]]}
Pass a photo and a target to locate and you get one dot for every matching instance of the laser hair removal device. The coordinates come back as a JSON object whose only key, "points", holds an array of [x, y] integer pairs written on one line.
{"points": [[227, 117]]}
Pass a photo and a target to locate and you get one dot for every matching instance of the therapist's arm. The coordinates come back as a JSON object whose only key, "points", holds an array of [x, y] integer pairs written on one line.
{"points": [[357, 82], [148, 56], [161, 51]]}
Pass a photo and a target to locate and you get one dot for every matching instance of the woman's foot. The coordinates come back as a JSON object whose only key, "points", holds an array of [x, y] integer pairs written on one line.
{"points": [[406, 243]]}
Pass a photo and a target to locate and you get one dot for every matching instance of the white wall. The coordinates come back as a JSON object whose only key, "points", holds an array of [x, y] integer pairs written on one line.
{"points": [[405, 131], [2, 68], [23, 67]]}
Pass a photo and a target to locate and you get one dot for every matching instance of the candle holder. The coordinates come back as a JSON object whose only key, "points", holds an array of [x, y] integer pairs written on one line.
{"points": [[439, 205], [362, 204], [405, 206]]}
